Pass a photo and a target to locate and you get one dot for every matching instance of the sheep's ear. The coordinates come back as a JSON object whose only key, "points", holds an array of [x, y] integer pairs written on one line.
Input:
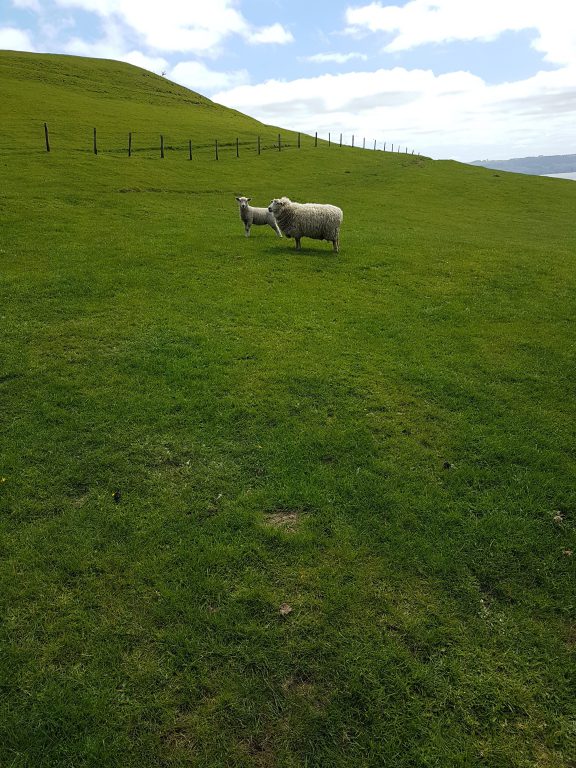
{"points": [[238, 199], [248, 199]]}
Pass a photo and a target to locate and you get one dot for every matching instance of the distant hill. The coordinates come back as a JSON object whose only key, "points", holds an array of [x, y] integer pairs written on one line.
{"points": [[537, 166]]}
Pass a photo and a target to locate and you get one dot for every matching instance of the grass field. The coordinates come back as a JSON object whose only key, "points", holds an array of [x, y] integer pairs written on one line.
{"points": [[268, 509]]}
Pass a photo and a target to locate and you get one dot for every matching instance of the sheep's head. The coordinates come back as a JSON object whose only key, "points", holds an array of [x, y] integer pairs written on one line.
{"points": [[277, 204], [243, 201]]}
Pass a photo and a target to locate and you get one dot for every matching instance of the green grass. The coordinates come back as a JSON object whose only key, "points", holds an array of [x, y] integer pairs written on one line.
{"points": [[406, 408]]}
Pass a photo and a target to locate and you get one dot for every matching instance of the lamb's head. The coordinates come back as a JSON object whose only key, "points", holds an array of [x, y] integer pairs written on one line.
{"points": [[277, 204], [243, 202]]}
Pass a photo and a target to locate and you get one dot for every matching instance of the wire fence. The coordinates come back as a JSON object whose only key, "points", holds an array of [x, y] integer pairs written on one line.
{"points": [[161, 145]]}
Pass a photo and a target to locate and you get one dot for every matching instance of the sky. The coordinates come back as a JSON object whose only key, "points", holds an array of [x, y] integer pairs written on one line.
{"points": [[450, 79]]}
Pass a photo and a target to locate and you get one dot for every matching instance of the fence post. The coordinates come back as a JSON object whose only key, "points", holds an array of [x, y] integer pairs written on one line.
{"points": [[316, 139], [384, 150], [258, 144], [352, 140], [364, 143], [46, 137], [130, 144], [190, 149], [374, 145], [279, 143], [340, 139], [328, 139], [216, 145], [161, 146], [237, 148], [298, 140], [95, 144], [392, 150]]}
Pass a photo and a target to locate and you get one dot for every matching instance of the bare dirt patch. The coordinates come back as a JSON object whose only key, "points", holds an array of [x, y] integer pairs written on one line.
{"points": [[286, 519]]}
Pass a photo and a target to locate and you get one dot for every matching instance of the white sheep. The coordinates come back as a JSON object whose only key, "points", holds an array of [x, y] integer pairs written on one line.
{"points": [[315, 220], [250, 215]]}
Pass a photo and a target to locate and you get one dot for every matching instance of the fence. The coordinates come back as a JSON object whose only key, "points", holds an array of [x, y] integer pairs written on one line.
{"points": [[159, 145]]}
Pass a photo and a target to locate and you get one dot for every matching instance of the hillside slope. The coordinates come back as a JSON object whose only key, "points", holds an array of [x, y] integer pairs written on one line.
{"points": [[268, 509], [73, 95]]}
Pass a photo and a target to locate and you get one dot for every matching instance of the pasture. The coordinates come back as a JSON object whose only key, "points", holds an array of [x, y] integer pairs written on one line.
{"points": [[261, 508]]}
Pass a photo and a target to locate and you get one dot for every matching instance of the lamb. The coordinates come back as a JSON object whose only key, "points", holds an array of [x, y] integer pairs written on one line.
{"points": [[315, 220], [250, 215]]}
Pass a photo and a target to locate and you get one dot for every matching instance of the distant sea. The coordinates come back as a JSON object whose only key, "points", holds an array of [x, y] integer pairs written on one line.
{"points": [[562, 175]]}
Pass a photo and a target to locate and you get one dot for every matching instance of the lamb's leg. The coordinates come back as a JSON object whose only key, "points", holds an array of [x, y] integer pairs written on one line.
{"points": [[276, 228], [297, 239], [336, 244], [247, 229]]}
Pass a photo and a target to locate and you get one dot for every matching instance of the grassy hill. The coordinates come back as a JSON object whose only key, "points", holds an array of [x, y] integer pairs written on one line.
{"points": [[260, 508], [74, 95]]}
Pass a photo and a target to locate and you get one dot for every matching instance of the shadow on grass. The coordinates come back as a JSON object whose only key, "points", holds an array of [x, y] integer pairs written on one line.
{"points": [[281, 248]]}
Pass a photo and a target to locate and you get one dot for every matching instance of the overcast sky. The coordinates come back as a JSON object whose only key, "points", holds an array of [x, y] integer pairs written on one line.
{"points": [[461, 79]]}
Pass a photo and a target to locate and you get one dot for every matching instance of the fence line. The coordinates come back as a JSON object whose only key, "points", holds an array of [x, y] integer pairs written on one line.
{"points": [[256, 145]]}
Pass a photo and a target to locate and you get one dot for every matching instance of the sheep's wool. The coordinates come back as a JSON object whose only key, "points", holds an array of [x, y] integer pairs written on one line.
{"points": [[316, 220], [256, 215]]}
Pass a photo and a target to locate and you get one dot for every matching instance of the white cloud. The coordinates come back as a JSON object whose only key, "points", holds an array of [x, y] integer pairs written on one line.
{"points": [[101, 50], [195, 75], [111, 45], [442, 21], [450, 115], [174, 26], [274, 34], [337, 58], [332, 93], [152, 63], [14, 39], [180, 25], [423, 21]]}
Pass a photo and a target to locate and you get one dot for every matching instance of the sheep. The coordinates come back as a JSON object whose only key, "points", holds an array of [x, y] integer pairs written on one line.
{"points": [[315, 220], [250, 215]]}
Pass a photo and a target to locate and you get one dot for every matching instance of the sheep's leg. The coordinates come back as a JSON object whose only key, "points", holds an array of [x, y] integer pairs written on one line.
{"points": [[297, 242], [276, 228], [247, 229], [336, 244]]}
